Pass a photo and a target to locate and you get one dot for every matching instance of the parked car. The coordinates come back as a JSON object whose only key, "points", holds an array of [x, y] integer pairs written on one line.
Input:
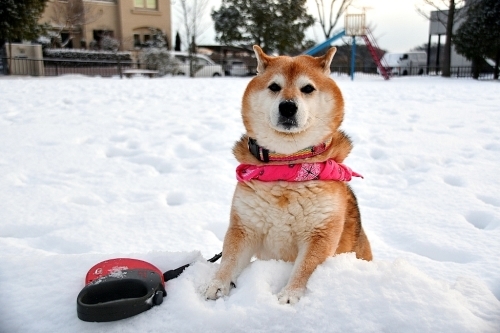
{"points": [[204, 66], [410, 63], [235, 67]]}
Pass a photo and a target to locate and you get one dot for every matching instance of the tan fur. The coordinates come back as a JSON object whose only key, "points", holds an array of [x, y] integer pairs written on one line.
{"points": [[302, 222]]}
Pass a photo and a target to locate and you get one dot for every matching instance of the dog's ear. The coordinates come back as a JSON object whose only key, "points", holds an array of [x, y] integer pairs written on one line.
{"points": [[326, 60], [262, 59]]}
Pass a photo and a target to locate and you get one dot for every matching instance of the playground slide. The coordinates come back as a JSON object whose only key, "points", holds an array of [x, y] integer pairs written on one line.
{"points": [[490, 62], [370, 43], [320, 47]]}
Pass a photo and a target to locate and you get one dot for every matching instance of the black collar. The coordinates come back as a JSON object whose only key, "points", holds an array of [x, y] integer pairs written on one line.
{"points": [[262, 154]]}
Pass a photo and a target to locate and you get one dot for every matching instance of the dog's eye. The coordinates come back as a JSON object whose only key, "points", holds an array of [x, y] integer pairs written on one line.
{"points": [[274, 87], [307, 89]]}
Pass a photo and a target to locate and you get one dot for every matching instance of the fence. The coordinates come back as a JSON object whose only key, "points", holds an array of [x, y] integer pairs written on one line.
{"points": [[456, 71], [56, 67]]}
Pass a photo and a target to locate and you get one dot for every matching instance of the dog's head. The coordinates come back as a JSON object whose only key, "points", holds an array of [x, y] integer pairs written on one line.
{"points": [[292, 103]]}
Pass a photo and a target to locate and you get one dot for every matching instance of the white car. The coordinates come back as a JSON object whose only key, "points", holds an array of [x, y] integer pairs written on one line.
{"points": [[204, 66], [236, 68], [410, 63]]}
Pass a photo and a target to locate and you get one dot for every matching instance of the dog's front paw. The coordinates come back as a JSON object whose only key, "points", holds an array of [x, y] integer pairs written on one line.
{"points": [[290, 296], [216, 289]]}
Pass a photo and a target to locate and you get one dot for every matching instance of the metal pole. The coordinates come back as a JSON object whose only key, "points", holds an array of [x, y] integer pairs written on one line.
{"points": [[437, 55], [353, 57], [429, 54], [119, 66]]}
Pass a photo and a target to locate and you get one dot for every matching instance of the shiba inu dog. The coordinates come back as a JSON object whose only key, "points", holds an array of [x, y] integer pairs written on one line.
{"points": [[292, 201]]}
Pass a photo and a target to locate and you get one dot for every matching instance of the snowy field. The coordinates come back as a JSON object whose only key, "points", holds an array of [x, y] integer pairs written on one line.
{"points": [[93, 169]]}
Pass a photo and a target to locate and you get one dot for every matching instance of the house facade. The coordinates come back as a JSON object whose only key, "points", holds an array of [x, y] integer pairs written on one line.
{"points": [[83, 23]]}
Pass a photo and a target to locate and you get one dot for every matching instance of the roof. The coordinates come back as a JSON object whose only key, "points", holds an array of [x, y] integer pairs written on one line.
{"points": [[221, 48]]}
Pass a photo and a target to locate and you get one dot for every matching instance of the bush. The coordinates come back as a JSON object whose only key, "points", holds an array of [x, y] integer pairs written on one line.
{"points": [[159, 59], [158, 39], [86, 55], [109, 44]]}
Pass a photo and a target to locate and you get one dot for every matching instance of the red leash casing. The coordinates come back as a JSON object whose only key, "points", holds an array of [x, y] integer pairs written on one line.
{"points": [[120, 288]]}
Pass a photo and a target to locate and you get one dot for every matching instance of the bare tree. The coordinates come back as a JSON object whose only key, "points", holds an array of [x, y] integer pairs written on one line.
{"points": [[448, 16], [329, 14], [72, 16], [192, 13]]}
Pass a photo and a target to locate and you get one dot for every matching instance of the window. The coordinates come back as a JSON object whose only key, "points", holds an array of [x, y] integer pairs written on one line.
{"points": [[202, 62], [144, 37], [182, 59], [137, 40], [148, 4], [66, 40], [98, 34]]}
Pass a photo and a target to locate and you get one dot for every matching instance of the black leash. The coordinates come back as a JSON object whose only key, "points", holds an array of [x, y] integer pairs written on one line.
{"points": [[173, 273]]}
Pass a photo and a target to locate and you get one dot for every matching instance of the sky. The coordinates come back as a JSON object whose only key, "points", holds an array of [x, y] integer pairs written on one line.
{"points": [[398, 25]]}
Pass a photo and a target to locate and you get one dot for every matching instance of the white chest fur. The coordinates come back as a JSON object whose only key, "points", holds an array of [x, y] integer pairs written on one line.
{"points": [[279, 216]]}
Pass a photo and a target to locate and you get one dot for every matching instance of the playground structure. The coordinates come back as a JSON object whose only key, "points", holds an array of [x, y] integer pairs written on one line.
{"points": [[355, 26]]}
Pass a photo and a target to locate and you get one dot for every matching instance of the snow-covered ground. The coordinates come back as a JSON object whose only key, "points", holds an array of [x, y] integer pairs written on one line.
{"points": [[93, 169]]}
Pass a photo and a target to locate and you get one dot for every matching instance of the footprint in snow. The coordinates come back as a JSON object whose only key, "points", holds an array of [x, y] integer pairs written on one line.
{"points": [[176, 198], [118, 138], [486, 130], [413, 118], [48, 143], [466, 153], [489, 200], [492, 146], [377, 154], [118, 152], [455, 126], [482, 220], [454, 181], [157, 162]]}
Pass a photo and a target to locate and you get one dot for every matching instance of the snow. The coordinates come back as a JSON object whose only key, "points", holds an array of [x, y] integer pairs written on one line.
{"points": [[93, 169]]}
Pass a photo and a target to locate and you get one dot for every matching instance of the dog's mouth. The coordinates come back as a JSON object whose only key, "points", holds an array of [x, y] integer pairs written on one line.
{"points": [[287, 123], [290, 126]]}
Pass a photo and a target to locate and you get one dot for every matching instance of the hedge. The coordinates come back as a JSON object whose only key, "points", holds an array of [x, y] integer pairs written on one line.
{"points": [[86, 55]]}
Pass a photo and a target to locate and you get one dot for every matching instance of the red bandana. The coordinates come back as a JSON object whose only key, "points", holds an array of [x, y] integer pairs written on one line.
{"points": [[328, 170]]}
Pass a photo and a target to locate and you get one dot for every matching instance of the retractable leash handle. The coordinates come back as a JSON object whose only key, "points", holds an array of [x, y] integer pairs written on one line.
{"points": [[120, 288]]}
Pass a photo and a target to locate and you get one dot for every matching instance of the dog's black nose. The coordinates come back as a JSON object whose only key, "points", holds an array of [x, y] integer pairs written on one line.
{"points": [[288, 109]]}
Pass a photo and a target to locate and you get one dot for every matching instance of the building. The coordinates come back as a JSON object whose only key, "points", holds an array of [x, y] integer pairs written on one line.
{"points": [[85, 22], [437, 27]]}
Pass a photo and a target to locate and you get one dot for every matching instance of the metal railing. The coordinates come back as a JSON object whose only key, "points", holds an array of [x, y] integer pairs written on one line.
{"points": [[456, 71], [104, 68], [56, 67]]}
